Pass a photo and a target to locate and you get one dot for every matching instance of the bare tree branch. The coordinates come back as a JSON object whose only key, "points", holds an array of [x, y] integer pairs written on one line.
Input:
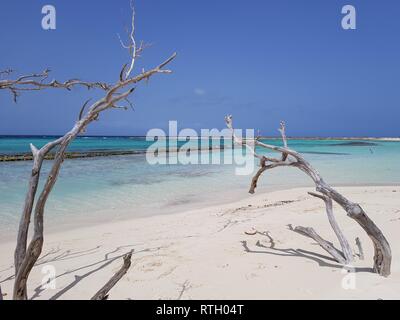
{"points": [[37, 81], [265, 167], [282, 130], [102, 294], [133, 49], [326, 245], [360, 249], [383, 255]]}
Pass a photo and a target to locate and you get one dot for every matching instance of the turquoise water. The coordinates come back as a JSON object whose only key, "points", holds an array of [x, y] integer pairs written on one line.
{"points": [[98, 190]]}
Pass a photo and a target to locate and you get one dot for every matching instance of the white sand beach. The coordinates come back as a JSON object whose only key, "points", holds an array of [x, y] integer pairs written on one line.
{"points": [[206, 254]]}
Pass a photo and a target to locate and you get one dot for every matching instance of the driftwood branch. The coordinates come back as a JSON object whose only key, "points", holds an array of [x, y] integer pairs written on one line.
{"points": [[346, 249], [25, 256], [102, 294], [326, 245], [282, 130], [360, 248], [382, 256]]}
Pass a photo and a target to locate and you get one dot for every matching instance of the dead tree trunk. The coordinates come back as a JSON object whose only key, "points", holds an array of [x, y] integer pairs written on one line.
{"points": [[25, 256], [102, 294], [382, 257], [382, 251]]}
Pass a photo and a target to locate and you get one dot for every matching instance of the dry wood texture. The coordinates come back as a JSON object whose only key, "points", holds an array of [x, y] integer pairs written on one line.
{"points": [[102, 294]]}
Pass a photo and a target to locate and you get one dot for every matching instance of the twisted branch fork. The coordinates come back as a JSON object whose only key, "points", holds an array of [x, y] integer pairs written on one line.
{"points": [[134, 50], [266, 163], [290, 158]]}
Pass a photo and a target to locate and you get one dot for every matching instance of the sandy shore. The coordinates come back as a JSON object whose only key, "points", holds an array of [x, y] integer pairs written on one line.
{"points": [[205, 254]]}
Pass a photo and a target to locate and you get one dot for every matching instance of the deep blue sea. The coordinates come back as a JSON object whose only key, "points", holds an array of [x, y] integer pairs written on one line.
{"points": [[99, 190]]}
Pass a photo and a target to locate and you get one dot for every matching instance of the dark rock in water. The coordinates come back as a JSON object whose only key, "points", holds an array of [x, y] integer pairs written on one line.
{"points": [[321, 152], [88, 154], [136, 181], [355, 144], [71, 155]]}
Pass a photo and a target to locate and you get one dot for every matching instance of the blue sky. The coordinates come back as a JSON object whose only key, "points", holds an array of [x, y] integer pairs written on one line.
{"points": [[260, 60]]}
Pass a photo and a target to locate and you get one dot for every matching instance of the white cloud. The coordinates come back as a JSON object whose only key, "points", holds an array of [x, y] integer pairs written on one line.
{"points": [[199, 92]]}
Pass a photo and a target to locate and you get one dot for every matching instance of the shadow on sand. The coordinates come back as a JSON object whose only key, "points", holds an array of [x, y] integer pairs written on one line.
{"points": [[84, 271], [322, 260]]}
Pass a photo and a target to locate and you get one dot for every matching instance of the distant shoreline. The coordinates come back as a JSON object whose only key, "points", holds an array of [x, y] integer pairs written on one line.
{"points": [[337, 138], [261, 137], [78, 154]]}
